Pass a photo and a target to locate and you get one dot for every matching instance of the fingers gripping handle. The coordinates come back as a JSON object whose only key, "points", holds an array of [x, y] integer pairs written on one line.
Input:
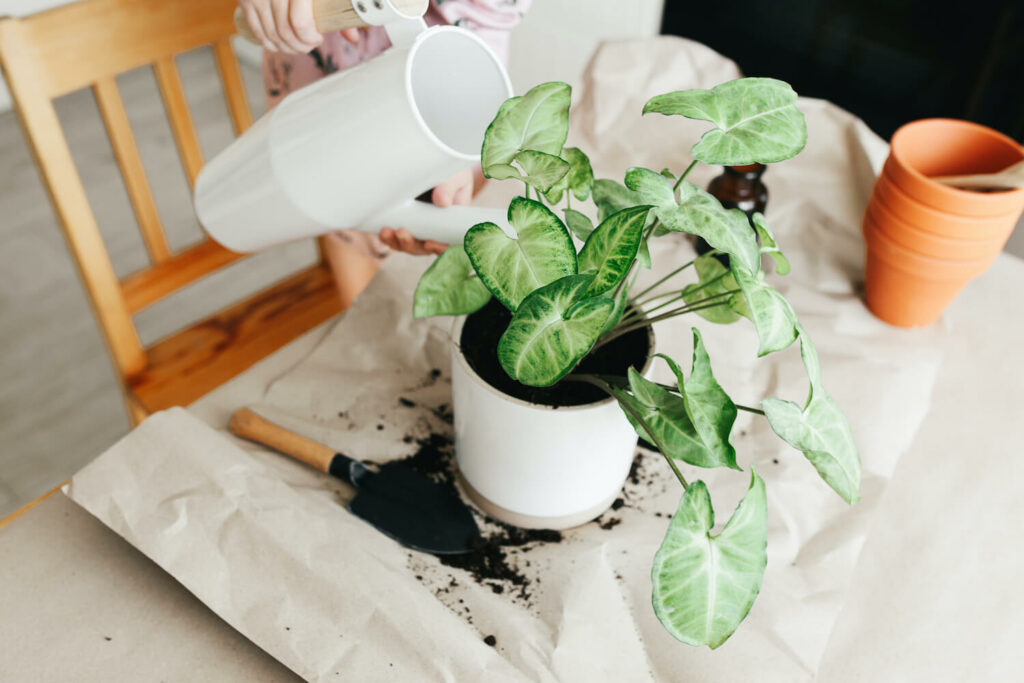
{"points": [[338, 15], [428, 222]]}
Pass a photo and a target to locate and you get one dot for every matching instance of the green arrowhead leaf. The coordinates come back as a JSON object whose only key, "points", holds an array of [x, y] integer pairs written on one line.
{"points": [[768, 245], [538, 121], [611, 248], [727, 230], [704, 585], [665, 413], [643, 255], [714, 280], [652, 188], [611, 197], [503, 172], [710, 409], [511, 268], [820, 430], [542, 170], [774, 318], [581, 174], [579, 179], [757, 120], [621, 300], [552, 330], [579, 224], [450, 286]]}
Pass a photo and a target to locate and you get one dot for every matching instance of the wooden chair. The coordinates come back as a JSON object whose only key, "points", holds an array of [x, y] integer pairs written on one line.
{"points": [[88, 43]]}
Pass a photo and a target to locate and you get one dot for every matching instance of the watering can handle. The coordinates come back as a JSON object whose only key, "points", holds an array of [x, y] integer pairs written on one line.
{"points": [[428, 222], [338, 15]]}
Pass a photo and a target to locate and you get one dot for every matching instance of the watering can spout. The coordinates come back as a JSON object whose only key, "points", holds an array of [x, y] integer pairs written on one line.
{"points": [[349, 150]]}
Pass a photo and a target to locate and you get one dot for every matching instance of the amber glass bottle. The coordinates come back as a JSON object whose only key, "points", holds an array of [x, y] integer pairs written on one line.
{"points": [[739, 187]]}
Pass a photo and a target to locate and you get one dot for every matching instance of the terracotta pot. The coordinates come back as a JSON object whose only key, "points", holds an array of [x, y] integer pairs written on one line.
{"points": [[938, 147], [939, 223], [906, 289], [910, 237]]}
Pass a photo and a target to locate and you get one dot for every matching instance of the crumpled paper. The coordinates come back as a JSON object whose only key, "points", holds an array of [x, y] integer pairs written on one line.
{"points": [[268, 546]]}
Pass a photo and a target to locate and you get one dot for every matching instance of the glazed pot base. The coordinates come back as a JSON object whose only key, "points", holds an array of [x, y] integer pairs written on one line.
{"points": [[507, 516]]}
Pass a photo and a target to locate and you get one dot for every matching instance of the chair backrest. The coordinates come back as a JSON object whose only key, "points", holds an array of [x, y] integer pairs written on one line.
{"points": [[89, 43]]}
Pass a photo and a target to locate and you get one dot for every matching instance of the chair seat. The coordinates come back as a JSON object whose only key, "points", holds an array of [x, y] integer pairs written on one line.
{"points": [[191, 363]]}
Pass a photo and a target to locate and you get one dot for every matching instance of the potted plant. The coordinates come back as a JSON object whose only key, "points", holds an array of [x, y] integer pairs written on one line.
{"points": [[556, 346]]}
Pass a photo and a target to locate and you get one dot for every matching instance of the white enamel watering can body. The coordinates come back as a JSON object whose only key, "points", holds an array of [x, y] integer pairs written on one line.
{"points": [[351, 150]]}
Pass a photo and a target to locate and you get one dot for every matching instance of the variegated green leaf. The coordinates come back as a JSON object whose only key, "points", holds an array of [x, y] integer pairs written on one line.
{"points": [[704, 585], [710, 409], [652, 188], [450, 286], [715, 281], [538, 121], [581, 174], [774, 318], [664, 412], [511, 268], [769, 246], [756, 120], [552, 330], [543, 171], [819, 430], [611, 197], [727, 230], [579, 224], [611, 248]]}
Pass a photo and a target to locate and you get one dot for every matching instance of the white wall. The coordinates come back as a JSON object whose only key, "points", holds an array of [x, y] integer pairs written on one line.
{"points": [[554, 41]]}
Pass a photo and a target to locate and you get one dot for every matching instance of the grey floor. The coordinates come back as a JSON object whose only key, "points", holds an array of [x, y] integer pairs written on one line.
{"points": [[59, 402]]}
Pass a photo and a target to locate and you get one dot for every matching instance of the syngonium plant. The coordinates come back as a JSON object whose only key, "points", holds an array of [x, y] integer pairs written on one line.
{"points": [[566, 303]]}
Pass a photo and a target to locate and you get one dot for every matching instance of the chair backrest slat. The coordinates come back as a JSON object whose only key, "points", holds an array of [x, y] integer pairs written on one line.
{"points": [[53, 157], [75, 45], [152, 284], [234, 89], [88, 43], [173, 94], [132, 171]]}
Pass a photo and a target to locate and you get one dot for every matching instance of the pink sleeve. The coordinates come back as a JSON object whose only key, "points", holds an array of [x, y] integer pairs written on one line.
{"points": [[492, 20]]}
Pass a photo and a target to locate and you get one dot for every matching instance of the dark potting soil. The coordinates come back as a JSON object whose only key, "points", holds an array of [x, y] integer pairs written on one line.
{"points": [[479, 342], [493, 562]]}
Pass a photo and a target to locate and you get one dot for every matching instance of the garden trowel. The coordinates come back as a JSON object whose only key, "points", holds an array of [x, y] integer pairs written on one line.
{"points": [[394, 498]]}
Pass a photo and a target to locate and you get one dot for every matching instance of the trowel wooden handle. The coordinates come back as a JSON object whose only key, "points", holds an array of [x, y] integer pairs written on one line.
{"points": [[338, 15], [249, 425]]}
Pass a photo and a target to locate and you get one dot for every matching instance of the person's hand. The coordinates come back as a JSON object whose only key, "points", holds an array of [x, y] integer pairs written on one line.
{"points": [[283, 25], [456, 190]]}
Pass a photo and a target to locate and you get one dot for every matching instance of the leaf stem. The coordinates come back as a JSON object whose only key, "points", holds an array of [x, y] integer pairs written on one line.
{"points": [[679, 182], [756, 411], [666, 278], [613, 392], [682, 310]]}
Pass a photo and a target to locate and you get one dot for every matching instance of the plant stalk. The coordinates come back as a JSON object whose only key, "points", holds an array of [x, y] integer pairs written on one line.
{"points": [[666, 278], [679, 182]]}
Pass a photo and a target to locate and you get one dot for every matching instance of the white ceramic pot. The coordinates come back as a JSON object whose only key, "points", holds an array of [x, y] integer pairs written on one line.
{"points": [[536, 466]]}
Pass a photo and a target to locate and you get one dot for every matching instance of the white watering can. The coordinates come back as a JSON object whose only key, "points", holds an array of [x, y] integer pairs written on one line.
{"points": [[352, 149]]}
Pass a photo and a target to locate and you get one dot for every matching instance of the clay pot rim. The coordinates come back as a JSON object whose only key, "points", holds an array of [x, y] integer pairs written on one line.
{"points": [[923, 266], [885, 178], [945, 240], [948, 192]]}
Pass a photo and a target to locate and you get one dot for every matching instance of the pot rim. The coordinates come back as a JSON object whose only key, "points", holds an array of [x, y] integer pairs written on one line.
{"points": [[878, 209], [456, 333], [887, 185], [913, 263], [896, 154]]}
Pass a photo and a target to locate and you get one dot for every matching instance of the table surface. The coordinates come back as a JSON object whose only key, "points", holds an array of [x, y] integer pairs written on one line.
{"points": [[916, 610]]}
